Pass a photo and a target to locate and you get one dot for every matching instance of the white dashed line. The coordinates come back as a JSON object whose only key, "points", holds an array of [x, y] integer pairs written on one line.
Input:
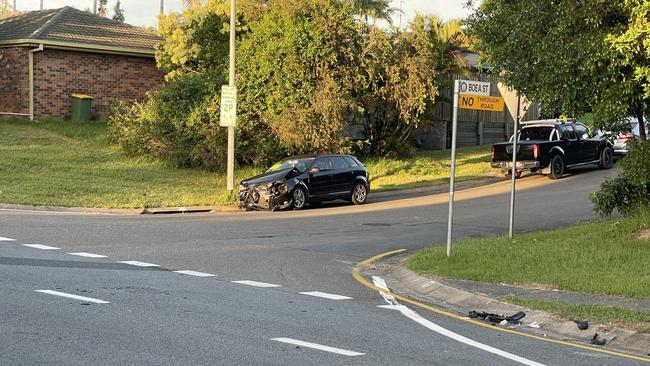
{"points": [[41, 246], [194, 273], [256, 284], [457, 337], [325, 295], [320, 347], [2, 238], [140, 264], [71, 296], [88, 255]]}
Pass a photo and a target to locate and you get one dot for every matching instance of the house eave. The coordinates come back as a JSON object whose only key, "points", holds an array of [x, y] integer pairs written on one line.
{"points": [[79, 47]]}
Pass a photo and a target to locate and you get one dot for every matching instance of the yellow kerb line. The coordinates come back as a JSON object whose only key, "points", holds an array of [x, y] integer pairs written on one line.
{"points": [[356, 273]]}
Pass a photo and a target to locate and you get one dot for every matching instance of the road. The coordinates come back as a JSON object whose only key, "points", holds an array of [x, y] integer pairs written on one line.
{"points": [[264, 288]]}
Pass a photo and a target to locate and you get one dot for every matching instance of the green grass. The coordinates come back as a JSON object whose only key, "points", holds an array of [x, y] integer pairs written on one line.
{"points": [[590, 312], [429, 168], [76, 165], [606, 257]]}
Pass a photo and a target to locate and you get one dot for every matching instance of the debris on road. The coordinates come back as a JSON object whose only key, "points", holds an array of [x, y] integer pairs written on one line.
{"points": [[582, 324], [597, 341], [496, 318], [535, 325]]}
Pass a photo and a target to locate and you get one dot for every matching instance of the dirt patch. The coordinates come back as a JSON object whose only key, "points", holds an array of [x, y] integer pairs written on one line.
{"points": [[644, 234]]}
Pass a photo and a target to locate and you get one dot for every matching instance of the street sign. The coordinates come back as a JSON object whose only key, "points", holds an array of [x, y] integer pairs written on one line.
{"points": [[481, 102], [228, 109], [473, 87], [511, 98]]}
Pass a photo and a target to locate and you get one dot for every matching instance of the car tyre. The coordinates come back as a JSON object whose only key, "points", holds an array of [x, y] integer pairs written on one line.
{"points": [[517, 175], [606, 158], [299, 197], [557, 167], [359, 194]]}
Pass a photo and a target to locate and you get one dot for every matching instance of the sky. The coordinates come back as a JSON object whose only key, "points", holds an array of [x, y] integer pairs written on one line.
{"points": [[144, 12]]}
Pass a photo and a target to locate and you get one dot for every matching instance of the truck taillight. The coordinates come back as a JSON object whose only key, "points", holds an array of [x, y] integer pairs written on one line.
{"points": [[535, 151], [492, 154]]}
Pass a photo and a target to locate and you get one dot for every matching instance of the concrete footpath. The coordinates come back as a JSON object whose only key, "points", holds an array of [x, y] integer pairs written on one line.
{"points": [[464, 296]]}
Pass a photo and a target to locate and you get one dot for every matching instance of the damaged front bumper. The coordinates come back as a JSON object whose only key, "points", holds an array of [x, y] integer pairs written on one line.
{"points": [[272, 197]]}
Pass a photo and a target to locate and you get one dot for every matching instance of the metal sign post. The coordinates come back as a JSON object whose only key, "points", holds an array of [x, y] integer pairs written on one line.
{"points": [[231, 82], [514, 168], [452, 177]]}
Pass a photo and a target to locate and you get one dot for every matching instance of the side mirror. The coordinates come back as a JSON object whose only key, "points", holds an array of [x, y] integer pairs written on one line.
{"points": [[314, 170]]}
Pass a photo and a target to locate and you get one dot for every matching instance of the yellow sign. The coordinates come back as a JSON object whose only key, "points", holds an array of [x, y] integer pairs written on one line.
{"points": [[480, 102]]}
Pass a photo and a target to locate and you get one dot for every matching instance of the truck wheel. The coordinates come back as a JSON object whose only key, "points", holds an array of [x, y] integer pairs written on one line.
{"points": [[606, 158], [557, 167], [517, 175]]}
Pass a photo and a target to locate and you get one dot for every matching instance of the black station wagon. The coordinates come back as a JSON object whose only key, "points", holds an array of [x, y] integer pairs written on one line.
{"points": [[309, 179]]}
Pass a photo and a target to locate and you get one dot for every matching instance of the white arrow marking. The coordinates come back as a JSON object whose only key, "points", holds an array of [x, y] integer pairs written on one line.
{"points": [[320, 347], [71, 296]]}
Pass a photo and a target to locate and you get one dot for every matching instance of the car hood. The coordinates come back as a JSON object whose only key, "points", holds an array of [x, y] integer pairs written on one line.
{"points": [[267, 177]]}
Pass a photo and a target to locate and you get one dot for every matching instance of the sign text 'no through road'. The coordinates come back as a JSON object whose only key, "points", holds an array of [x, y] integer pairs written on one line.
{"points": [[481, 102]]}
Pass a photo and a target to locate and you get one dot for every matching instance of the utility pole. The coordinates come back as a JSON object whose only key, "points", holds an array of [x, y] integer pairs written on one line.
{"points": [[231, 82], [400, 13], [14, 9], [514, 168], [162, 6], [41, 4], [95, 7]]}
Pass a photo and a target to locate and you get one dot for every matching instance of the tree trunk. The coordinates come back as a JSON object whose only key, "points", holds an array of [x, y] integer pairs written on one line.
{"points": [[639, 116]]}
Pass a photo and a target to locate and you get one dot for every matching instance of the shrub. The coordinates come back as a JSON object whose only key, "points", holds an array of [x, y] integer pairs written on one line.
{"points": [[631, 188]]}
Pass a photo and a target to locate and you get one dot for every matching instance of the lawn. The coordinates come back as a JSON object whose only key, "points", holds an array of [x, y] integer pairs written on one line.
{"points": [[608, 257], [76, 165]]}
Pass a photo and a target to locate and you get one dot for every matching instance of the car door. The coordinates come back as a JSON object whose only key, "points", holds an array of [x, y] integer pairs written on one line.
{"points": [[588, 145], [570, 144], [319, 183], [343, 176]]}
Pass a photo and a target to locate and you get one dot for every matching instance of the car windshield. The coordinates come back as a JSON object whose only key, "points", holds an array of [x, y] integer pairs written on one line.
{"points": [[535, 133], [300, 164]]}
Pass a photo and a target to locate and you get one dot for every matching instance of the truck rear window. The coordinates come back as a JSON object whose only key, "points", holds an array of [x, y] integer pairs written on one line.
{"points": [[536, 133]]}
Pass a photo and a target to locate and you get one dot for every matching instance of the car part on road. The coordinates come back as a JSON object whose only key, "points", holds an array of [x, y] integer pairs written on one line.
{"points": [[495, 318], [582, 324], [597, 341]]}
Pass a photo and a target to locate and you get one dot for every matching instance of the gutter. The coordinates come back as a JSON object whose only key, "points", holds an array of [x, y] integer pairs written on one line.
{"points": [[31, 80], [81, 47]]}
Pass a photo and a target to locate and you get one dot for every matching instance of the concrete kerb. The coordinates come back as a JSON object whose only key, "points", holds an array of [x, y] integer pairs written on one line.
{"points": [[427, 290]]}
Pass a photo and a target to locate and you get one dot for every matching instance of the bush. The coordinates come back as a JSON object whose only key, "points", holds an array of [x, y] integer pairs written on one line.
{"points": [[178, 123], [631, 188]]}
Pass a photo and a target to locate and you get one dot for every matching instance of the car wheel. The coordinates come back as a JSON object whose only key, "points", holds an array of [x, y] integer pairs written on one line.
{"points": [[359, 194], [606, 157], [557, 167], [517, 175], [299, 197]]}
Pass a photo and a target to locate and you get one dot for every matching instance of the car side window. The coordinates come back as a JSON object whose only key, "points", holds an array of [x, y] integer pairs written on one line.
{"points": [[582, 132], [322, 163], [570, 133], [338, 162]]}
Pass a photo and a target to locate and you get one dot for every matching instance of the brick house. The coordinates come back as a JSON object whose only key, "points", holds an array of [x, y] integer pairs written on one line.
{"points": [[47, 55]]}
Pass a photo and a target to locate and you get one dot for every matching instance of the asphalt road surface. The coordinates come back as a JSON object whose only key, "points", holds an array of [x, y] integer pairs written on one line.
{"points": [[259, 288]]}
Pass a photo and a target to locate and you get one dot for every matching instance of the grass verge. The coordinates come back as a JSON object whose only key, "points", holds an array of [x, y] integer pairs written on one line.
{"points": [[607, 257], [75, 164], [590, 312]]}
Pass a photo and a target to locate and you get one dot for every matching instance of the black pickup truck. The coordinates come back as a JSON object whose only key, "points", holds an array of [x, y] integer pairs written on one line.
{"points": [[553, 147]]}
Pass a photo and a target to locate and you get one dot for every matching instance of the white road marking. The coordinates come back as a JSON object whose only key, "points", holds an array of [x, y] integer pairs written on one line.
{"points": [[325, 295], [88, 255], [195, 273], [256, 284], [457, 337], [41, 246], [379, 282], [2, 238], [71, 296], [140, 264], [320, 347]]}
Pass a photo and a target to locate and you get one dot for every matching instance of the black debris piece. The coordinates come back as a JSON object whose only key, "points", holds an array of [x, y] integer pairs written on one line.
{"points": [[597, 341], [582, 324], [496, 318]]}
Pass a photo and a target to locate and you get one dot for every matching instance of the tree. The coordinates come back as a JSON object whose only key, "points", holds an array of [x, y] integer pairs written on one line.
{"points": [[119, 12], [634, 47], [557, 53], [373, 9]]}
